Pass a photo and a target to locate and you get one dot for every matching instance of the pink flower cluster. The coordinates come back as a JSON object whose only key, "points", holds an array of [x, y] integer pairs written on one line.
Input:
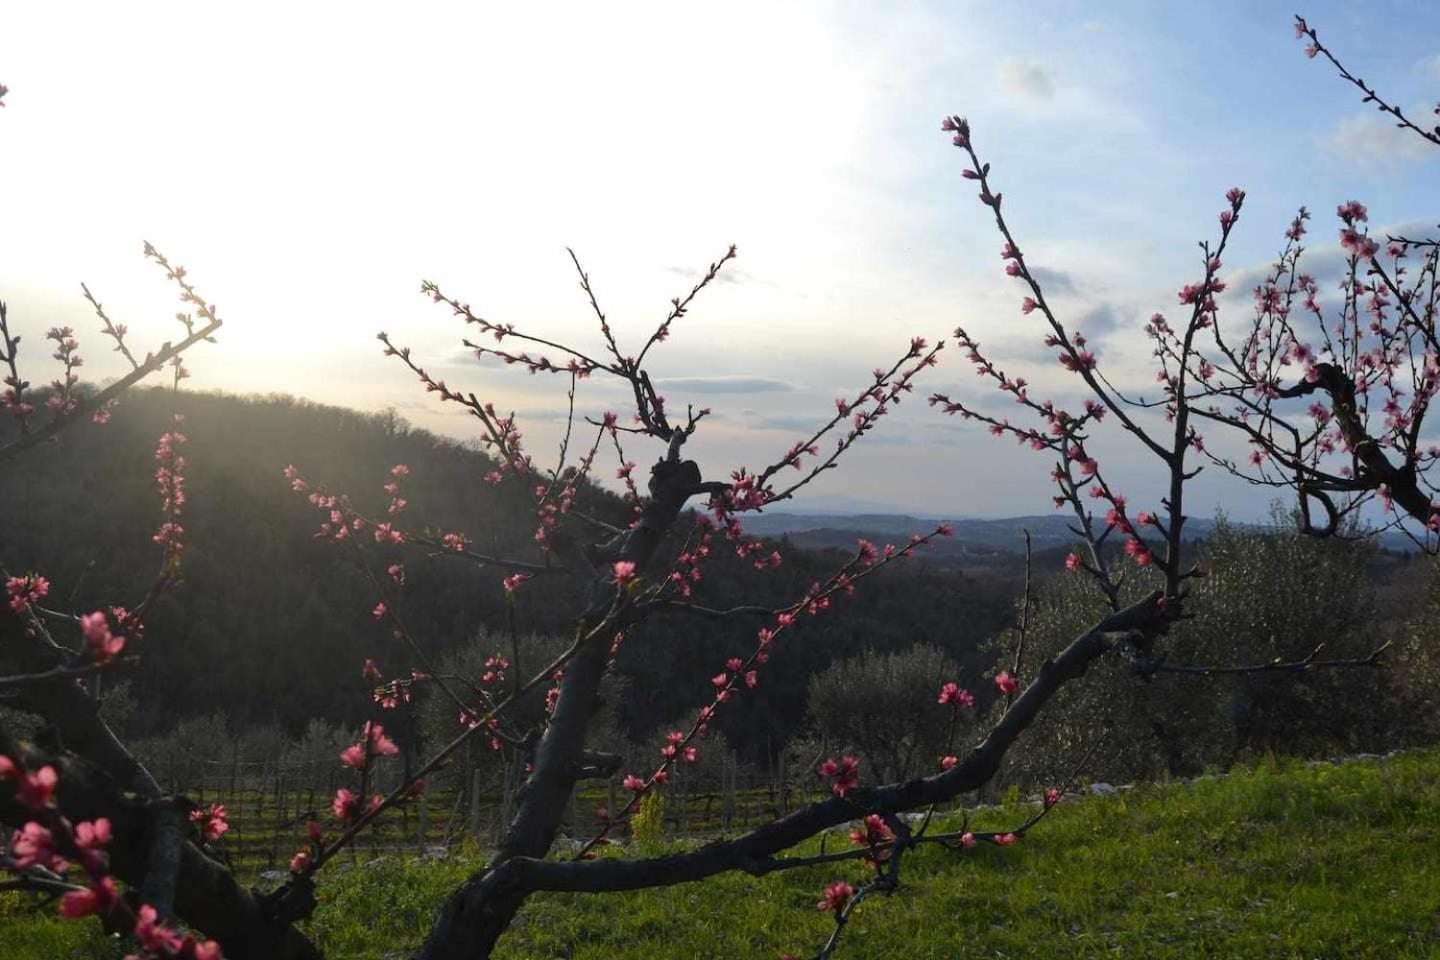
{"points": [[212, 822], [836, 896], [843, 774], [952, 694], [24, 592], [41, 847], [372, 743], [170, 484]]}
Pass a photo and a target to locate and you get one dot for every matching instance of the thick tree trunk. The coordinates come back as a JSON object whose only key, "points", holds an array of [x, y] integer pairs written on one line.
{"points": [[479, 913]]}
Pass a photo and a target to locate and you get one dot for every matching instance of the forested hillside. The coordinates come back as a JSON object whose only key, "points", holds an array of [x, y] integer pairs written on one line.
{"points": [[272, 624]]}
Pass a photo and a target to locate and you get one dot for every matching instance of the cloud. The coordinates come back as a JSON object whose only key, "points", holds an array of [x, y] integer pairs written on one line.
{"points": [[1100, 321], [1427, 228], [1054, 282], [1370, 140], [728, 275], [1028, 78], [787, 423], [727, 384], [1429, 67]]}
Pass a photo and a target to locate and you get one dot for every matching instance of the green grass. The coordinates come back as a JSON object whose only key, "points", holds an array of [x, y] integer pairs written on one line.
{"points": [[1279, 860]]}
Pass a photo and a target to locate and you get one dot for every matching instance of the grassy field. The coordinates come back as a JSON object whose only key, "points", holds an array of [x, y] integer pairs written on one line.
{"points": [[1280, 860]]}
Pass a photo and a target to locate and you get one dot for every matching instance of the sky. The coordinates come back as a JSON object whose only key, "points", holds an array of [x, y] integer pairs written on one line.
{"points": [[311, 163]]}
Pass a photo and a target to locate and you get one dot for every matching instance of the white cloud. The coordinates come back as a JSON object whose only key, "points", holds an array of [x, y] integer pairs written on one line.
{"points": [[1373, 140], [726, 384], [1029, 78]]}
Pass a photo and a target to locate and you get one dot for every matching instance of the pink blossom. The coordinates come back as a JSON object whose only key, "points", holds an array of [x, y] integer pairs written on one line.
{"points": [[97, 898], [954, 695], [624, 572], [1136, 550], [92, 834], [873, 832], [26, 590], [37, 790], [1007, 684], [151, 934], [836, 896], [370, 673], [1352, 211], [380, 745], [344, 804], [33, 845], [1005, 839], [843, 773], [212, 821], [104, 645]]}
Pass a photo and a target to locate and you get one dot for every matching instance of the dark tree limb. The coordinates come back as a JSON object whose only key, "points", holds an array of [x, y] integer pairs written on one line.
{"points": [[480, 911], [152, 363], [756, 852], [169, 826], [206, 895], [1401, 481], [1310, 661], [65, 706]]}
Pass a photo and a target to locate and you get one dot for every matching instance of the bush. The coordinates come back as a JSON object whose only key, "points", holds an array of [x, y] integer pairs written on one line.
{"points": [[1270, 595], [883, 707]]}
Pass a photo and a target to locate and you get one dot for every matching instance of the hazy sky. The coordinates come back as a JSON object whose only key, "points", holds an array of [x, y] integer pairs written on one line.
{"points": [[311, 163]]}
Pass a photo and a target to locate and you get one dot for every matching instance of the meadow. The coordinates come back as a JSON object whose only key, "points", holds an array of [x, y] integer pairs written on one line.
{"points": [[1278, 859]]}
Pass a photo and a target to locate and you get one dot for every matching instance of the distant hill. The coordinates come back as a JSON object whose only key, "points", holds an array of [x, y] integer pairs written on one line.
{"points": [[976, 541], [272, 624], [264, 606]]}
